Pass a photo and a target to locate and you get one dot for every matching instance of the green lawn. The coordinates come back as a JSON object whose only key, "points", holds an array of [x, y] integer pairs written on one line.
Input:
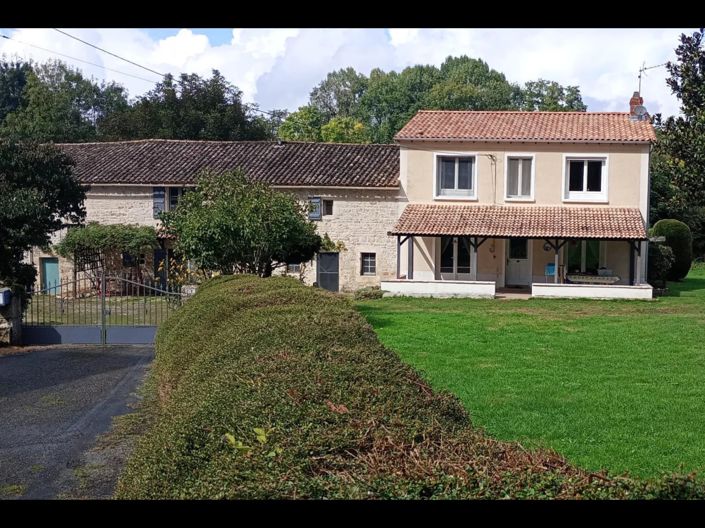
{"points": [[608, 384]]}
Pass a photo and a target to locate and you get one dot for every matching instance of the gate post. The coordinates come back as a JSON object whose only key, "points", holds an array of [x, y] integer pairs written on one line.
{"points": [[103, 337]]}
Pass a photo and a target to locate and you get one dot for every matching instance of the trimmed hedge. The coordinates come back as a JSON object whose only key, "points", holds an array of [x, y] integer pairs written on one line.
{"points": [[680, 240], [266, 388]]}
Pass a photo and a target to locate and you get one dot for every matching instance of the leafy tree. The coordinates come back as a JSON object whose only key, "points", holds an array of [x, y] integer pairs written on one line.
{"points": [[682, 138], [303, 125], [38, 193], [339, 94], [231, 225], [13, 79], [550, 96], [62, 106], [189, 107], [344, 130], [661, 260]]}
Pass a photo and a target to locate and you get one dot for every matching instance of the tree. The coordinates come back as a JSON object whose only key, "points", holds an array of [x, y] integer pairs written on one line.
{"points": [[550, 96], [231, 225], [62, 106], [682, 138], [303, 125], [13, 79], [344, 130], [338, 95], [189, 107], [38, 194]]}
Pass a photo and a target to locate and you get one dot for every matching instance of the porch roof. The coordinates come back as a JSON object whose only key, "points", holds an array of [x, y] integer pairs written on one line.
{"points": [[502, 221]]}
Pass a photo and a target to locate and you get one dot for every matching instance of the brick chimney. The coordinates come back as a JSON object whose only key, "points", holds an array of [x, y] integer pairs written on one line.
{"points": [[635, 101]]}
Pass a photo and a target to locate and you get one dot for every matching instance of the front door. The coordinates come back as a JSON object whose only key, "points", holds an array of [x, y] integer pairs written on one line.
{"points": [[50, 274], [518, 263], [328, 270]]}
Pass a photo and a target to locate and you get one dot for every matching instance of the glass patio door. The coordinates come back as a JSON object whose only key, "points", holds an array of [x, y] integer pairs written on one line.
{"points": [[455, 258]]}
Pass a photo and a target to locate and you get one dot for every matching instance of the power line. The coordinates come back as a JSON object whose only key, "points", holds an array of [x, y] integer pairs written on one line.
{"points": [[76, 59], [109, 52]]}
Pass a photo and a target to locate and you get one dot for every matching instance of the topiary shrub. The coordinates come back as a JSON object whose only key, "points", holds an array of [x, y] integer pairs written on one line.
{"points": [[680, 240], [368, 292], [660, 263], [269, 389]]}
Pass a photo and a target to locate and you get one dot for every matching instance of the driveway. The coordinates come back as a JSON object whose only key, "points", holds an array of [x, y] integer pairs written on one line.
{"points": [[54, 402]]}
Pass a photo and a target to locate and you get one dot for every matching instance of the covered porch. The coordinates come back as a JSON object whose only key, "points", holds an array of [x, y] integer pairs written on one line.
{"points": [[472, 251]]}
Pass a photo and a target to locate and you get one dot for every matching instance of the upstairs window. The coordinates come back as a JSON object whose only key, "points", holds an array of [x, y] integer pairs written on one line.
{"points": [[455, 176], [520, 176], [586, 179], [327, 207]]}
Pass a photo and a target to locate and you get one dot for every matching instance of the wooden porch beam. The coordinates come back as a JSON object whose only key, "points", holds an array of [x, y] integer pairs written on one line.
{"points": [[398, 256], [410, 265]]}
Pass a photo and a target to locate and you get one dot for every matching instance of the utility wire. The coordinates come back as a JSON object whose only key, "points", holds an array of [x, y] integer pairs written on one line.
{"points": [[76, 59], [109, 52]]}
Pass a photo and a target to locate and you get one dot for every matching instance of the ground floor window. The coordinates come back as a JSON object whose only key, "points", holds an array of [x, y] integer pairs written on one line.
{"points": [[293, 268], [455, 254], [583, 256], [369, 264]]}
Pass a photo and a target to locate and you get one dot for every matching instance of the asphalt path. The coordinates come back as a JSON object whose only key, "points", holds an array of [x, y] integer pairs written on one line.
{"points": [[54, 402]]}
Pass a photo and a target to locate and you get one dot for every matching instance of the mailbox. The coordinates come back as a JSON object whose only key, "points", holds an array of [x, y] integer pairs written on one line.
{"points": [[5, 295]]}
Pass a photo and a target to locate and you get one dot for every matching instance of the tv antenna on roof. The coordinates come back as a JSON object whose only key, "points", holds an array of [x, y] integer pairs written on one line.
{"points": [[643, 69]]}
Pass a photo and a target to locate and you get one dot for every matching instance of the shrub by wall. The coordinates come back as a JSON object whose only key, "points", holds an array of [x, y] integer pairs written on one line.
{"points": [[680, 240], [266, 388], [660, 262]]}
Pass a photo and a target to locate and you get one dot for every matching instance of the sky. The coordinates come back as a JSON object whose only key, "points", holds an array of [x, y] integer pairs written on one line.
{"points": [[277, 68]]}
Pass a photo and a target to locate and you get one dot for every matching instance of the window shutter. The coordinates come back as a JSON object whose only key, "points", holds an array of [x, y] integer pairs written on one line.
{"points": [[315, 208], [158, 199]]}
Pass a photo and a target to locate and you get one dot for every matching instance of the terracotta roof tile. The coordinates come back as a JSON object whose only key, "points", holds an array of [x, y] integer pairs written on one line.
{"points": [[560, 127], [503, 221], [163, 162]]}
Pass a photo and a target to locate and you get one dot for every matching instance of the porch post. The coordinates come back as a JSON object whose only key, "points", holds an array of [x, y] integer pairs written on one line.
{"points": [[555, 263], [410, 272], [398, 256], [631, 262], [473, 259]]}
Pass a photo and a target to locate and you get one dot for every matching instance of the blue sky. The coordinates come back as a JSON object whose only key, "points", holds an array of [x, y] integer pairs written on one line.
{"points": [[277, 68]]}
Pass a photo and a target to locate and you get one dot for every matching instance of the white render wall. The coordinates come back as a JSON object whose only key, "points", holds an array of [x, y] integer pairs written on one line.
{"points": [[437, 288], [592, 291]]}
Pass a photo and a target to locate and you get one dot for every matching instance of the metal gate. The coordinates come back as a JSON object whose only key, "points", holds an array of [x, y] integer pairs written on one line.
{"points": [[100, 309], [328, 270]]}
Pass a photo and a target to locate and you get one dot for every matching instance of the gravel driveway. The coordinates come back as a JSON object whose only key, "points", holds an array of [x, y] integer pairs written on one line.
{"points": [[54, 402]]}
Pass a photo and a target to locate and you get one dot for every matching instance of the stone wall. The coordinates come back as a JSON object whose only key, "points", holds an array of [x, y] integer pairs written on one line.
{"points": [[361, 220], [11, 322]]}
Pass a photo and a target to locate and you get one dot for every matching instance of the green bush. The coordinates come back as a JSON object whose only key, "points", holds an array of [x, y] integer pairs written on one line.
{"points": [[368, 292], [268, 389], [680, 239], [660, 262]]}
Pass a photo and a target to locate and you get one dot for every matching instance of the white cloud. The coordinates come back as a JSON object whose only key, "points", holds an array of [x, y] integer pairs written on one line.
{"points": [[279, 67]]}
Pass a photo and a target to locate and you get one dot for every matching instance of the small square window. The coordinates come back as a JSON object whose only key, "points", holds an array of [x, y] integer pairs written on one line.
{"points": [[327, 207], [369, 264], [293, 268], [314, 208]]}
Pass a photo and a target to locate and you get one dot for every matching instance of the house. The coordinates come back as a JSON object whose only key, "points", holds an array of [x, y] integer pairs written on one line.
{"points": [[554, 203], [353, 190], [466, 203]]}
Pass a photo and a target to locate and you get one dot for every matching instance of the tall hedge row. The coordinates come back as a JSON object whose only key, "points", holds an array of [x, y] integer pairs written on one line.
{"points": [[266, 388]]}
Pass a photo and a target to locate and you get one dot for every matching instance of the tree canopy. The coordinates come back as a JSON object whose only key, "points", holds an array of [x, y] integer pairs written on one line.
{"points": [[38, 195], [382, 103], [231, 225]]}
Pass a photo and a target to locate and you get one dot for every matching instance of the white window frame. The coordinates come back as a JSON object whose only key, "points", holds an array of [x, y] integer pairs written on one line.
{"points": [[519, 155], [362, 264], [469, 197], [586, 196]]}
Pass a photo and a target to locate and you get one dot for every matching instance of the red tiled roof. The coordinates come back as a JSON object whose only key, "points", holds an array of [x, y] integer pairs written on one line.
{"points": [[542, 127], [503, 221], [164, 162]]}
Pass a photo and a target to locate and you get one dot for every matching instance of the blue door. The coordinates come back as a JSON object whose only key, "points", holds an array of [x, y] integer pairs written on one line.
{"points": [[50, 274]]}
